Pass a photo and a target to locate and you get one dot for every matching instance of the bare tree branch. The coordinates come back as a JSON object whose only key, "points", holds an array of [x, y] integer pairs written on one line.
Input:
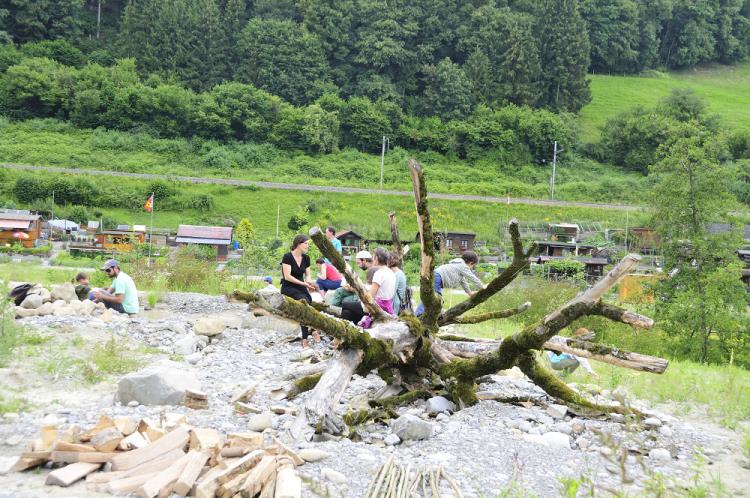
{"points": [[492, 315], [398, 249], [431, 301], [337, 260]]}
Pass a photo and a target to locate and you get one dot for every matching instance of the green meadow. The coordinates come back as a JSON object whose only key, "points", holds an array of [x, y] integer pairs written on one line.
{"points": [[725, 88]]}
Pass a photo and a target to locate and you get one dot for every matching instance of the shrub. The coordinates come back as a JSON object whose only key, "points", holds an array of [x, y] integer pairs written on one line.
{"points": [[57, 50]]}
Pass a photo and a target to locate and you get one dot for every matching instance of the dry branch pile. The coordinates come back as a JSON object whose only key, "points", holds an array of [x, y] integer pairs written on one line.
{"points": [[396, 481], [412, 357], [152, 458]]}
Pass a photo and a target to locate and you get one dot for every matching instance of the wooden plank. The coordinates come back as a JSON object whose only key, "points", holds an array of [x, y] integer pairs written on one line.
{"points": [[269, 486], [258, 476], [152, 466], [126, 425], [82, 456], [66, 446], [196, 461], [69, 474], [163, 480], [232, 487], [176, 439], [103, 423], [43, 455], [207, 485], [204, 439], [128, 485], [26, 463], [133, 441], [288, 483], [241, 466]]}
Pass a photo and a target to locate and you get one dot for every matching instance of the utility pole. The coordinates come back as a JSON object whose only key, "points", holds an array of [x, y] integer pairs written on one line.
{"points": [[555, 151], [98, 18], [278, 213], [382, 159]]}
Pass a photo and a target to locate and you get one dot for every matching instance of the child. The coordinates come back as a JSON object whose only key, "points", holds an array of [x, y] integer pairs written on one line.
{"points": [[83, 288]]}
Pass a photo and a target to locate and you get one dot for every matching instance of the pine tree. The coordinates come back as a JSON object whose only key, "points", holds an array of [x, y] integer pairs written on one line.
{"points": [[564, 54]]}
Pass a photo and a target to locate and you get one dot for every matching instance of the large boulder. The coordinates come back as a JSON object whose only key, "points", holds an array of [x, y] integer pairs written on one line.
{"points": [[65, 292], [270, 323], [410, 427], [87, 307], [186, 346], [163, 383], [25, 312], [209, 326], [32, 301]]}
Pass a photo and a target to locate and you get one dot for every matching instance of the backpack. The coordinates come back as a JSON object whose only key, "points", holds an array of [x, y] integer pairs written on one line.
{"points": [[406, 300], [18, 294]]}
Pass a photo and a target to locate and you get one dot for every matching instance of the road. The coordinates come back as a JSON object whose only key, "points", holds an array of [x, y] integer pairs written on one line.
{"points": [[321, 188]]}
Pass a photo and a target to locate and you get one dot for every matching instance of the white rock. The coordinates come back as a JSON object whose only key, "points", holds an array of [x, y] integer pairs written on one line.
{"points": [[410, 427], [333, 476], [87, 307], [260, 422], [163, 383], [557, 440], [65, 292], [313, 454], [665, 431], [535, 438], [45, 309], [391, 440], [557, 411], [32, 301], [25, 312], [439, 404], [58, 302], [660, 455], [194, 358], [46, 295], [14, 440], [64, 311], [185, 346], [209, 326], [652, 422]]}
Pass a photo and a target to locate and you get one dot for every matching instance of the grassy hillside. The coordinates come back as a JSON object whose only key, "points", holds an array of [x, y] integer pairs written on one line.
{"points": [[725, 88], [54, 143], [362, 213]]}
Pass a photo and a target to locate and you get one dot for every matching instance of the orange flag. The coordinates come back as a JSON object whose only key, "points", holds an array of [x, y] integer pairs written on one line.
{"points": [[149, 206]]}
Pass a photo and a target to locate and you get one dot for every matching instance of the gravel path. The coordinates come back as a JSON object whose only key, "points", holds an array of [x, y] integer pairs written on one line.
{"points": [[323, 188], [490, 449]]}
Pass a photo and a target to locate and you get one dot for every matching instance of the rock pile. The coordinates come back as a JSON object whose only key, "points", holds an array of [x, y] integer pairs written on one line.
{"points": [[61, 300]]}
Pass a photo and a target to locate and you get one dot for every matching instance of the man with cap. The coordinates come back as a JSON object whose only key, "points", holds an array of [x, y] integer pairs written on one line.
{"points": [[269, 289], [352, 309], [122, 296]]}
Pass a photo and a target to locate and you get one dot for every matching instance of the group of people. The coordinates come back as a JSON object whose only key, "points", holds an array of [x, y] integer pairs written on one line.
{"points": [[121, 296], [386, 281]]}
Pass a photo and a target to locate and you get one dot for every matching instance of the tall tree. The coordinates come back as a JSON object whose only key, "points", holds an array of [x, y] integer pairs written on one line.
{"points": [[703, 303], [613, 34], [564, 54], [447, 92], [28, 20]]}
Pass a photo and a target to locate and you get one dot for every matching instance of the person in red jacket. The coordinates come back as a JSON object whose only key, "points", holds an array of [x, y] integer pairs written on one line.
{"points": [[328, 278]]}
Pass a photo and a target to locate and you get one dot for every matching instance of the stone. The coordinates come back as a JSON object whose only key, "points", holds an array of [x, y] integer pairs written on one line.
{"points": [[313, 454], [13, 440], [563, 427], [557, 411], [409, 427], [442, 417], [87, 307], [260, 422], [45, 309], [32, 301], [25, 312], [617, 418], [660, 455], [209, 326], [46, 295], [64, 292], [76, 306], [333, 476], [133, 403], [652, 423], [557, 440], [107, 316], [64, 311], [665, 431], [186, 345], [59, 302], [535, 438], [439, 404], [577, 427], [391, 440], [163, 383], [194, 358]]}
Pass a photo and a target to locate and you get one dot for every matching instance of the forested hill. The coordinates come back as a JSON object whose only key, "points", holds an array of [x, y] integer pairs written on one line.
{"points": [[428, 57]]}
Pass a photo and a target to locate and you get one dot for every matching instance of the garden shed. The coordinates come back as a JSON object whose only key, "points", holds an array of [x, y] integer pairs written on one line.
{"points": [[218, 237], [19, 227]]}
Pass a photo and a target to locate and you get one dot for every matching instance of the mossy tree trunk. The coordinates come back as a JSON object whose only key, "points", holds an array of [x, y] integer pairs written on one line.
{"points": [[407, 351]]}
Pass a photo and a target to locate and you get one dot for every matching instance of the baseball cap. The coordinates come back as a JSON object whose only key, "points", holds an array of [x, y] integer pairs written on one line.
{"points": [[363, 255], [268, 279], [110, 263]]}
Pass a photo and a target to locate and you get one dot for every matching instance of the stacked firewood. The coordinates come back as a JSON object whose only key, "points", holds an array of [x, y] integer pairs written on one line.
{"points": [[158, 457]]}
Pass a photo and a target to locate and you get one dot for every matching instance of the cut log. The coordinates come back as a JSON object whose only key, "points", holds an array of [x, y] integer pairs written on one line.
{"points": [[288, 483], [49, 436], [177, 439], [152, 429], [41, 455], [196, 461], [258, 476], [70, 473], [207, 484], [125, 425], [241, 466], [82, 456], [65, 446], [26, 463], [103, 423], [107, 439], [127, 485], [162, 482], [133, 442], [236, 451], [205, 439], [149, 467]]}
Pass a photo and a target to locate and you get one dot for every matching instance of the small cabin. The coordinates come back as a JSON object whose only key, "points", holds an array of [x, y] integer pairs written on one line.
{"points": [[121, 239], [455, 242], [351, 242], [218, 237], [20, 228], [558, 249], [564, 232]]}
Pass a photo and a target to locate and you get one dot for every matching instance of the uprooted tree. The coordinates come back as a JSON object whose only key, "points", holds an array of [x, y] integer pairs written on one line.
{"points": [[411, 355]]}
